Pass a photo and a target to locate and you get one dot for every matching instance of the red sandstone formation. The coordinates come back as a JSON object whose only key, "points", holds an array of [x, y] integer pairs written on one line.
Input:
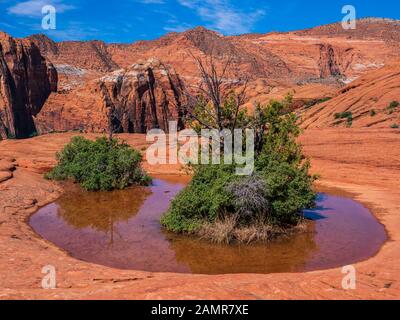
{"points": [[90, 55], [7, 166], [144, 96], [369, 100], [26, 80], [313, 64]]}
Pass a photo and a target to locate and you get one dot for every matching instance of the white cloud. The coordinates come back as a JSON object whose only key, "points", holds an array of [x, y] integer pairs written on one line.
{"points": [[33, 8], [222, 16], [178, 27]]}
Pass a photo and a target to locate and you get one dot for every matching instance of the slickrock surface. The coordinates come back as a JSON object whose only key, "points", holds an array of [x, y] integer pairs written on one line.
{"points": [[368, 99], [361, 162], [7, 166]]}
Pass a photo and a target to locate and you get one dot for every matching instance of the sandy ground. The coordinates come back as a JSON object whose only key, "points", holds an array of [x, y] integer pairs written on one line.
{"points": [[362, 162]]}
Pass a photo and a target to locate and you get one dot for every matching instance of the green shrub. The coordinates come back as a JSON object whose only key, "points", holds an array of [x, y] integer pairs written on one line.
{"points": [[315, 102], [348, 115], [393, 106], [99, 165], [202, 200], [344, 115], [395, 126], [279, 190], [372, 113]]}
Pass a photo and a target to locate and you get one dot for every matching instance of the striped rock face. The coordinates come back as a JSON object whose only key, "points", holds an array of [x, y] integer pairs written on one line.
{"points": [[142, 97], [26, 80]]}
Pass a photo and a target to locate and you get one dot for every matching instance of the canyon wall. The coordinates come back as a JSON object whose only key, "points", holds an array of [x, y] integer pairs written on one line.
{"points": [[26, 81], [144, 96]]}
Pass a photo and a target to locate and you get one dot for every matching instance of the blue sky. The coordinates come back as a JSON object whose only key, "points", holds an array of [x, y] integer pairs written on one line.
{"points": [[132, 20]]}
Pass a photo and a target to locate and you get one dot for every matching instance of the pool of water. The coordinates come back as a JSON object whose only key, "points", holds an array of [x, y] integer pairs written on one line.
{"points": [[121, 229]]}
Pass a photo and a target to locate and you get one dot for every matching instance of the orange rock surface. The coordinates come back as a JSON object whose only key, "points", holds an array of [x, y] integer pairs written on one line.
{"points": [[144, 96], [363, 163], [367, 98]]}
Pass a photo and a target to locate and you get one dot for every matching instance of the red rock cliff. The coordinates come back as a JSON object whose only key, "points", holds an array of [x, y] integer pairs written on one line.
{"points": [[144, 96], [26, 80]]}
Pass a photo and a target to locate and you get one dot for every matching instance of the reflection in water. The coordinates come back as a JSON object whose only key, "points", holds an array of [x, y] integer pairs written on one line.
{"points": [[100, 211], [121, 229], [284, 255]]}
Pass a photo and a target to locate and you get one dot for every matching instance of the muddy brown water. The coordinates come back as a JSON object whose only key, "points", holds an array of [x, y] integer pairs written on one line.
{"points": [[121, 229]]}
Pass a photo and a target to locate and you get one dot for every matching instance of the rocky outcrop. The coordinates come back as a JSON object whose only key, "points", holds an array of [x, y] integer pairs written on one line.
{"points": [[381, 29], [26, 80], [373, 100], [328, 62], [89, 55], [7, 166], [144, 96]]}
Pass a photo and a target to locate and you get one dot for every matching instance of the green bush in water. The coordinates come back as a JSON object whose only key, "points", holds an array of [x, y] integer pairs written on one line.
{"points": [[99, 165], [202, 200], [279, 190]]}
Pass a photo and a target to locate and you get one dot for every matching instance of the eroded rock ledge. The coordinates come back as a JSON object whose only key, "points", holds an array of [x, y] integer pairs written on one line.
{"points": [[142, 97]]}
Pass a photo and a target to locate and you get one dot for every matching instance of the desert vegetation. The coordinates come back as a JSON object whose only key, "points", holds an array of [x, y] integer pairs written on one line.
{"points": [[103, 164], [315, 102], [347, 115], [393, 106], [223, 207]]}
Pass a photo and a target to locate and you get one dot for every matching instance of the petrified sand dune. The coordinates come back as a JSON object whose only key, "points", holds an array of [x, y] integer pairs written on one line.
{"points": [[368, 99]]}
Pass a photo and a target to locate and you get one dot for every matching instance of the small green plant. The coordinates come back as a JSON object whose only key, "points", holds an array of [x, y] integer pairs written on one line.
{"points": [[314, 102], [343, 115], [348, 115], [9, 135], [395, 126], [99, 165], [393, 106], [33, 134], [372, 113]]}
